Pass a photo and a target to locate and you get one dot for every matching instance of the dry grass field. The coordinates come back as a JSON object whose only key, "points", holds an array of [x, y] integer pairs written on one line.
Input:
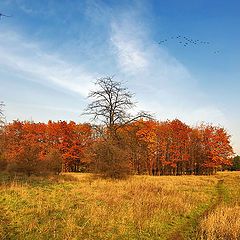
{"points": [[78, 206]]}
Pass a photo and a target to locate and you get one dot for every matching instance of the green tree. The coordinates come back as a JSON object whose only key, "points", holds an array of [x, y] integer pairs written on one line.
{"points": [[236, 164]]}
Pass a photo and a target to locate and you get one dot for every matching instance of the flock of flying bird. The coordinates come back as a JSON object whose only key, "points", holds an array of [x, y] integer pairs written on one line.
{"points": [[186, 41], [183, 40], [3, 15]]}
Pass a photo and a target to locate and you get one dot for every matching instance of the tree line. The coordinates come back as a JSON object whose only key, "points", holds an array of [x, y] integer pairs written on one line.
{"points": [[142, 147], [116, 144]]}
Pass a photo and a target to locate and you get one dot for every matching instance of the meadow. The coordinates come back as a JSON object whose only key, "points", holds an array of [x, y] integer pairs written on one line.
{"points": [[81, 206]]}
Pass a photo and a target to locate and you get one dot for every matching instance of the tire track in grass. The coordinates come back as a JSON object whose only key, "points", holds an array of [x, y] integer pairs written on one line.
{"points": [[178, 234]]}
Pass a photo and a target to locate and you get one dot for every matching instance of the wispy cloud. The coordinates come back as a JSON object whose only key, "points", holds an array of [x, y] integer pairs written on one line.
{"points": [[131, 57], [29, 61], [98, 12], [137, 54], [162, 83]]}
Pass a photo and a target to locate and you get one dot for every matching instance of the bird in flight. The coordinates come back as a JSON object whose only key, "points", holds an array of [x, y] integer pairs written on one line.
{"points": [[187, 42], [184, 40], [3, 15]]}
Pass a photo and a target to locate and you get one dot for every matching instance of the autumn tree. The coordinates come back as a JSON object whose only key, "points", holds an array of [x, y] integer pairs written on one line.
{"points": [[110, 106], [196, 152], [217, 148], [75, 140], [147, 139], [24, 146], [178, 147], [72, 141]]}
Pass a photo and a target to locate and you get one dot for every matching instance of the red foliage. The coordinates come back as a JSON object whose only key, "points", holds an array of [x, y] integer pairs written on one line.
{"points": [[71, 139], [169, 147]]}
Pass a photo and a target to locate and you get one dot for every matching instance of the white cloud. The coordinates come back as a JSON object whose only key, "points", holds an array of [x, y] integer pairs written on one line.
{"points": [[130, 54], [30, 62]]}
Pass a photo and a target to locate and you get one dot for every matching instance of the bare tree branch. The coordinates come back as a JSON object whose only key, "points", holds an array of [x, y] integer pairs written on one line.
{"points": [[2, 117], [111, 104]]}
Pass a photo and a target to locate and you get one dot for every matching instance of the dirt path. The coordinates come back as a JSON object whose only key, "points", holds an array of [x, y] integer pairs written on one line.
{"points": [[178, 234]]}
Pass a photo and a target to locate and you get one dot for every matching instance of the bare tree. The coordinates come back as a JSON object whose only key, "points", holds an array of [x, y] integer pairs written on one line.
{"points": [[111, 105], [1, 114], [3, 161]]}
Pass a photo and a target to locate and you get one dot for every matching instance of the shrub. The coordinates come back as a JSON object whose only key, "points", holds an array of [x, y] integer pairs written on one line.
{"points": [[3, 163], [110, 160], [53, 161]]}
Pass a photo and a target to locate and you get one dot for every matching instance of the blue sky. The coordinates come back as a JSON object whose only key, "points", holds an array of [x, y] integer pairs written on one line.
{"points": [[53, 50]]}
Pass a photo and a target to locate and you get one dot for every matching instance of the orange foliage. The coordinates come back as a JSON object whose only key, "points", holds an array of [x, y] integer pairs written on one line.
{"points": [[216, 146], [157, 148], [71, 139], [172, 147]]}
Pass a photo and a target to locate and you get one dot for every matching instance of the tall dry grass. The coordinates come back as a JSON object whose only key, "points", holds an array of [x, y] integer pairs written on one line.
{"points": [[78, 206], [222, 224]]}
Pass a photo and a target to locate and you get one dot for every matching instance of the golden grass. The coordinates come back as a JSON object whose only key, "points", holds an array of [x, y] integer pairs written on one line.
{"points": [[77, 206], [224, 222]]}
